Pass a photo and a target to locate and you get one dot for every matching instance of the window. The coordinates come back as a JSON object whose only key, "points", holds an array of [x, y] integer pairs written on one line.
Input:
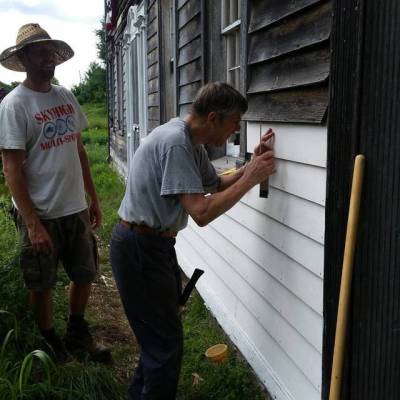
{"points": [[231, 31]]}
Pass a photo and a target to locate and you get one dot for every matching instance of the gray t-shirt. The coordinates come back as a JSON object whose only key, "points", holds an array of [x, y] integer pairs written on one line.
{"points": [[46, 126], [166, 164]]}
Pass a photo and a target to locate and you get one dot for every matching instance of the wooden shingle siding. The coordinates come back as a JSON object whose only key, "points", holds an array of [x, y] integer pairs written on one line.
{"points": [[153, 71], [268, 12], [152, 44], [190, 72], [152, 57], [153, 100], [152, 12], [187, 92], [308, 104], [190, 52], [302, 69], [124, 94], [190, 31], [152, 28], [153, 65], [184, 109], [188, 11], [153, 86], [154, 113], [181, 3], [288, 61], [300, 31]]}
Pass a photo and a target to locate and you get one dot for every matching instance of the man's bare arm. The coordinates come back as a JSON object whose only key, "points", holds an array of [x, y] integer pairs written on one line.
{"points": [[204, 209], [13, 172]]}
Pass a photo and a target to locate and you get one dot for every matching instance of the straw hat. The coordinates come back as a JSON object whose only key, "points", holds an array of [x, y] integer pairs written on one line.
{"points": [[33, 33]]}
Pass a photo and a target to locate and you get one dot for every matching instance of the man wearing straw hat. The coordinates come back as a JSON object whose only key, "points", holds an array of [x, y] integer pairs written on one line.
{"points": [[47, 170]]}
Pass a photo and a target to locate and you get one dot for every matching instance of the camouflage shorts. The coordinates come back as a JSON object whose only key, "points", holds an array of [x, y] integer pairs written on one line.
{"points": [[74, 245]]}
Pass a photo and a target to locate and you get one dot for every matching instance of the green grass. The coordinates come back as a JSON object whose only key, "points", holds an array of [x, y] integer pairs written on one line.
{"points": [[24, 371], [109, 186], [231, 380]]}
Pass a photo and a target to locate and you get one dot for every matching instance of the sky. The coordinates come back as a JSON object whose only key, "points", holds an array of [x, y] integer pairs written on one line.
{"points": [[73, 21]]}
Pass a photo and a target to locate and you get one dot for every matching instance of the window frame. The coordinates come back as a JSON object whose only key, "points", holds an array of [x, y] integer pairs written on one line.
{"points": [[231, 31]]}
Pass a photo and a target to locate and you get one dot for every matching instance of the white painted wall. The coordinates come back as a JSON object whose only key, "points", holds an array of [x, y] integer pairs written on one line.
{"points": [[264, 265]]}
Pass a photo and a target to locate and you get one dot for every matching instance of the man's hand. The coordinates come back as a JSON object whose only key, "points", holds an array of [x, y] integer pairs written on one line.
{"points": [[40, 239], [95, 214], [266, 143], [259, 168]]}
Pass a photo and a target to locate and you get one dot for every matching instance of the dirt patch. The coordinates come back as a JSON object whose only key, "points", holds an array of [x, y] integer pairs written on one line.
{"points": [[110, 325]]}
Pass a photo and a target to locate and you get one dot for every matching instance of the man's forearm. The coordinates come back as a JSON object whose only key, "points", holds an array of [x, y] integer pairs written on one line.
{"points": [[228, 180], [14, 176], [207, 208], [17, 184]]}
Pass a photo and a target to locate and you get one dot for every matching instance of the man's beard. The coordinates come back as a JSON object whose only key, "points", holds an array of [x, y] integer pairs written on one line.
{"points": [[47, 73], [44, 74]]}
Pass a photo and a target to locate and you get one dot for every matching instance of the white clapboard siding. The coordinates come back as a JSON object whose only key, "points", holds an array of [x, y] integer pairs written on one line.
{"points": [[239, 334], [272, 343], [308, 253], [291, 342], [292, 211], [301, 282], [305, 181], [300, 143], [299, 387], [272, 291], [264, 262]]}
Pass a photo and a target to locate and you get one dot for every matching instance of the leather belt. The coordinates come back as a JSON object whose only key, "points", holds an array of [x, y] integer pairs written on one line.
{"points": [[147, 230]]}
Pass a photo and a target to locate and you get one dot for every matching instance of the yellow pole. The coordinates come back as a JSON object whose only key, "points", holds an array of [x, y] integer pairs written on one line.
{"points": [[345, 285]]}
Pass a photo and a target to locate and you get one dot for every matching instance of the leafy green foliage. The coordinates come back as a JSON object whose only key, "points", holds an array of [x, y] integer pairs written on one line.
{"points": [[92, 89], [10, 86]]}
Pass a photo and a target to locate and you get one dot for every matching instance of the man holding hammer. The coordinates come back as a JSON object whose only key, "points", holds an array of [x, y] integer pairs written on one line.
{"points": [[169, 179]]}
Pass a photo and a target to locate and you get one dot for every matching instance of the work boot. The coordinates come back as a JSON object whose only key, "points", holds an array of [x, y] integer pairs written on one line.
{"points": [[58, 350], [78, 338]]}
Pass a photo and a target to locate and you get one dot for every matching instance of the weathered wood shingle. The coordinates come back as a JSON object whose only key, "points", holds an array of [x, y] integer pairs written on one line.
{"points": [[288, 60]]}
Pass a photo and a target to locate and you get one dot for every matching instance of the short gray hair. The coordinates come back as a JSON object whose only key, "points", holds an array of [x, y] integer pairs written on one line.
{"points": [[220, 98]]}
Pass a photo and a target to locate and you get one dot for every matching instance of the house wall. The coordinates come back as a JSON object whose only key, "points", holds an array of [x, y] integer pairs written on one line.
{"points": [[264, 265], [264, 258], [117, 102]]}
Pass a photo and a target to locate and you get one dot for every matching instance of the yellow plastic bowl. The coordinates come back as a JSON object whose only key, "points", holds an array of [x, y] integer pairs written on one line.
{"points": [[217, 353]]}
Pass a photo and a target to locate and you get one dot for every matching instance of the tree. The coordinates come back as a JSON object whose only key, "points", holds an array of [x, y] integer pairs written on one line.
{"points": [[101, 42], [92, 89]]}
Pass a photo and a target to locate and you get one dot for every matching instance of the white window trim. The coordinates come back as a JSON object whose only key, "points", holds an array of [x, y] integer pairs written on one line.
{"points": [[229, 30]]}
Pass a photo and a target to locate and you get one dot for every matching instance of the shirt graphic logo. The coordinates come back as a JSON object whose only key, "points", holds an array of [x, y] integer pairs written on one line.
{"points": [[60, 127]]}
